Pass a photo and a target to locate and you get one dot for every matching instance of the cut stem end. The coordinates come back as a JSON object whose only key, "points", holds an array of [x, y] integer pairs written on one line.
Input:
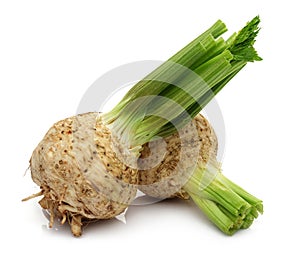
{"points": [[227, 205]]}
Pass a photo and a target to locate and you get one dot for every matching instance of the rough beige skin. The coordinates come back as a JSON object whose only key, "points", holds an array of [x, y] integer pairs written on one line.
{"points": [[79, 174], [181, 154]]}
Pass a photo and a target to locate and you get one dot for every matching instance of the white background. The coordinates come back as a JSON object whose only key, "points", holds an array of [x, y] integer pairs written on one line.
{"points": [[52, 51]]}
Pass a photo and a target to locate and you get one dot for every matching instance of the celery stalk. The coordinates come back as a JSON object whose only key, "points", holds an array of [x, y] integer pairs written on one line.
{"points": [[180, 88]]}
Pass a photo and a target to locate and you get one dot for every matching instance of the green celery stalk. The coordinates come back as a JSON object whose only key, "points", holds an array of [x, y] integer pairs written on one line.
{"points": [[227, 205], [170, 96], [194, 73]]}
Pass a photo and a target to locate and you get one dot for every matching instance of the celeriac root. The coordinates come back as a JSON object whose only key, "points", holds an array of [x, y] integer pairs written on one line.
{"points": [[79, 174], [183, 153]]}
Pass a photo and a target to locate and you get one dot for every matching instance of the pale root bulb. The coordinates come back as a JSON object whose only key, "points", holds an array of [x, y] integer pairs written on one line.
{"points": [[79, 174], [194, 145]]}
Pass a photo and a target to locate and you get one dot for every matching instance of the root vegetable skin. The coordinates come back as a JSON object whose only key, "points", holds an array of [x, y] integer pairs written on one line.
{"points": [[81, 177], [168, 177], [79, 174]]}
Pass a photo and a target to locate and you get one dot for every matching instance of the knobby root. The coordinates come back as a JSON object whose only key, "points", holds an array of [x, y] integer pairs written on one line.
{"points": [[65, 211], [76, 225], [32, 196]]}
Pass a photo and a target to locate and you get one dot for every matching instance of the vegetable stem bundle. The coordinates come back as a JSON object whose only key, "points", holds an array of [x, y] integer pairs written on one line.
{"points": [[227, 205], [189, 80], [212, 63]]}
